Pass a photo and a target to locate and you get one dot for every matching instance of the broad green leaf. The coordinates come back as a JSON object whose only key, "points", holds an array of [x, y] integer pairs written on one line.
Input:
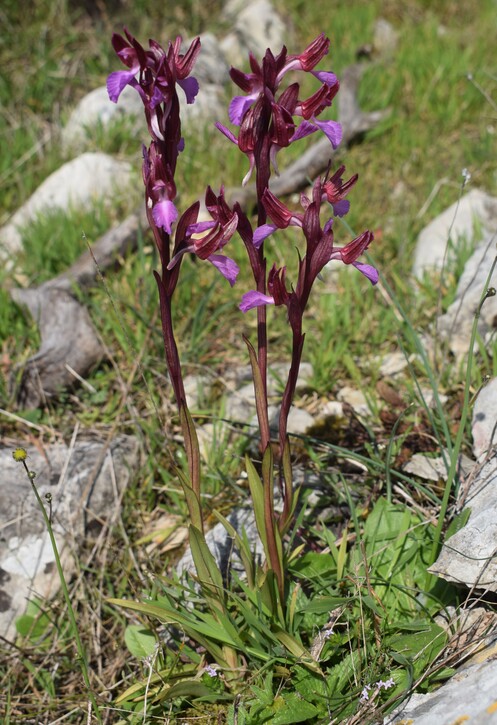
{"points": [[370, 603], [309, 684], [32, 627], [140, 641], [289, 708], [313, 565], [420, 648], [34, 622]]}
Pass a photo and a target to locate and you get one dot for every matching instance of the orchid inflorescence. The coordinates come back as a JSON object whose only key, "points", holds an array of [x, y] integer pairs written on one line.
{"points": [[270, 116]]}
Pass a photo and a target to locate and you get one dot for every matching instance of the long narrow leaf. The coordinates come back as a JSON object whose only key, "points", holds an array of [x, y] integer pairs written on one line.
{"points": [[257, 494], [192, 448], [192, 500]]}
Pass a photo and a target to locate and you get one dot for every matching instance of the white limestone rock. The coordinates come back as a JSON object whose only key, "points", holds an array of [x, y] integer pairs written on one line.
{"points": [[356, 399], [468, 696], [456, 222], [457, 323], [79, 503], [469, 556], [257, 27], [76, 184], [97, 109], [484, 422]]}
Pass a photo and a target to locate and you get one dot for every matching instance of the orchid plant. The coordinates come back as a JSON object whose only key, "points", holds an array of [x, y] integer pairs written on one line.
{"points": [[269, 116]]}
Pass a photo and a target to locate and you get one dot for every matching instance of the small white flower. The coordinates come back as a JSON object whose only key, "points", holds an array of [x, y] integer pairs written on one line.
{"points": [[365, 694]]}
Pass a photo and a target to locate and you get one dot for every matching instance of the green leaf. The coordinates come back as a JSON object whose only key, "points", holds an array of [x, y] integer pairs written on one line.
{"points": [[34, 623], [313, 565], [192, 626], [140, 641], [257, 494], [420, 648], [458, 522], [290, 708], [192, 500], [42, 676], [325, 604], [205, 564], [297, 650], [193, 453], [187, 688]]}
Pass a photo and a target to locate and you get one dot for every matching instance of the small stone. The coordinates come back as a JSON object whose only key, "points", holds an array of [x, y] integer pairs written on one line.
{"points": [[430, 469], [299, 420], [356, 399], [429, 397], [332, 409], [197, 390], [212, 439], [385, 37], [393, 363]]}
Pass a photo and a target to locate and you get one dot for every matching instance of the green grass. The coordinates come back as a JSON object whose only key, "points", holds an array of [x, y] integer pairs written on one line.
{"points": [[410, 169]]}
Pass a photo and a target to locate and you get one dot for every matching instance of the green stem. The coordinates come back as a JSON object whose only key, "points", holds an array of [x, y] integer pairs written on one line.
{"points": [[72, 619]]}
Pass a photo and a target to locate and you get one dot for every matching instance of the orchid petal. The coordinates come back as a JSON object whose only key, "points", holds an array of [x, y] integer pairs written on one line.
{"points": [[228, 268], [368, 271], [254, 299], [239, 106], [191, 87], [247, 176], [165, 214], [117, 82], [262, 232], [304, 129], [328, 226], [326, 77], [341, 208], [200, 227], [229, 135], [332, 129]]}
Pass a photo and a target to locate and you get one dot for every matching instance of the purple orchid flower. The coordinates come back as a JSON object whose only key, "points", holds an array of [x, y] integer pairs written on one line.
{"points": [[160, 189], [332, 190], [261, 111], [320, 247], [206, 238], [158, 70]]}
